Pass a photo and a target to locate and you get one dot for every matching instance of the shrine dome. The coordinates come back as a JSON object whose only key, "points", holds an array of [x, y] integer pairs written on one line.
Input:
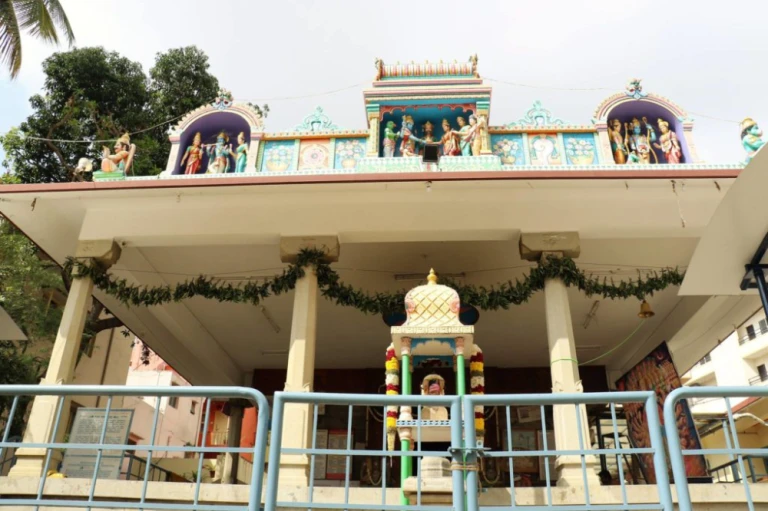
{"points": [[432, 305]]}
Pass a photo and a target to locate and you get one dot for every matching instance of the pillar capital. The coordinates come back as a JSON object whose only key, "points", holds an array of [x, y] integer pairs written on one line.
{"points": [[290, 246], [105, 253], [535, 245]]}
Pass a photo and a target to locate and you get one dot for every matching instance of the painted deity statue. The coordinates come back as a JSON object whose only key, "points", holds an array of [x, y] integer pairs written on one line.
{"points": [[390, 138], [408, 144], [465, 143], [639, 143], [193, 156], [433, 385], [116, 162], [618, 148], [479, 126], [668, 143], [449, 140], [241, 153], [218, 154], [751, 138], [429, 136]]}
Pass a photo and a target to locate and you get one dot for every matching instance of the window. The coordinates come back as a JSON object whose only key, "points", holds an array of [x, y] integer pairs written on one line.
{"points": [[751, 332], [193, 407], [763, 326], [707, 358], [763, 372], [173, 401]]}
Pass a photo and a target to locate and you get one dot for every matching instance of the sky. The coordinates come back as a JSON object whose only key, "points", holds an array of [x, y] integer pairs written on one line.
{"points": [[708, 57]]}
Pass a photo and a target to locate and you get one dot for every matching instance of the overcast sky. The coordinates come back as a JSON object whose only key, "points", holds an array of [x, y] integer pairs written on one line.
{"points": [[707, 56]]}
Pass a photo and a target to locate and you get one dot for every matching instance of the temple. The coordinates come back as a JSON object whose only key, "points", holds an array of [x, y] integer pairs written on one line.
{"points": [[554, 245]]}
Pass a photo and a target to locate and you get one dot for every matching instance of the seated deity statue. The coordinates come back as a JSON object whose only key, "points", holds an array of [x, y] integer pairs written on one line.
{"points": [[433, 385]]}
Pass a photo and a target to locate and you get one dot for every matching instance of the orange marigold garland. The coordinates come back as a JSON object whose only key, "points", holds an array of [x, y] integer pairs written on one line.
{"points": [[477, 388], [393, 389]]}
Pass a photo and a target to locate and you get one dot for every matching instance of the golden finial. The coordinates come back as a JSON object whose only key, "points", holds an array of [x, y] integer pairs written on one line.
{"points": [[432, 278]]}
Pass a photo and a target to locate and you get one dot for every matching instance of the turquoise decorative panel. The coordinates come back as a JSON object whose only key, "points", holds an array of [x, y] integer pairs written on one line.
{"points": [[278, 156], [348, 152], [509, 148], [580, 149]]}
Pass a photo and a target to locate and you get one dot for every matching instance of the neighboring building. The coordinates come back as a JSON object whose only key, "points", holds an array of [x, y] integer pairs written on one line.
{"points": [[179, 418], [739, 361]]}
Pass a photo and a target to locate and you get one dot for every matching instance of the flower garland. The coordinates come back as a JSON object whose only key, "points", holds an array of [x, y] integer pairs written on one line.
{"points": [[393, 389], [477, 388], [492, 298]]}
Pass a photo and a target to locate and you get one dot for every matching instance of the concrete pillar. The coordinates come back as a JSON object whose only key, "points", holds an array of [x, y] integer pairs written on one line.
{"points": [[297, 419], [234, 428], [170, 167], [565, 379], [253, 151], [484, 110], [563, 361], [604, 143], [61, 367]]}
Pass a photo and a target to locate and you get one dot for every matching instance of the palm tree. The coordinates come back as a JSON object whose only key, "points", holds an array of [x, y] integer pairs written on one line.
{"points": [[41, 18]]}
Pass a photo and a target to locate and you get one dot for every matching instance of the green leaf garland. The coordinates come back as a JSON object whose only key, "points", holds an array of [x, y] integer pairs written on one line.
{"points": [[496, 297]]}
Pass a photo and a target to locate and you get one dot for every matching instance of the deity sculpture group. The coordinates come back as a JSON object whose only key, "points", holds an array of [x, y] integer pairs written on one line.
{"points": [[219, 155], [636, 143], [465, 141]]}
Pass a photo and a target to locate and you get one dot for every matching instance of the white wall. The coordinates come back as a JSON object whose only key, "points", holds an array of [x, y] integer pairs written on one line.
{"points": [[176, 426]]}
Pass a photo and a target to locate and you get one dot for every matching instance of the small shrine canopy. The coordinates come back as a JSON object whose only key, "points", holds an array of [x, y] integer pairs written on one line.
{"points": [[427, 69], [433, 321], [734, 238]]}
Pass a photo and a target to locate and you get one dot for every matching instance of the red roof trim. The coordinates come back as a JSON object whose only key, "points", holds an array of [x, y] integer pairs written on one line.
{"points": [[371, 178]]}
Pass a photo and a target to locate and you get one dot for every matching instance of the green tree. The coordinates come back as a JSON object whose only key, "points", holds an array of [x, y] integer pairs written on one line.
{"points": [[91, 94], [180, 82], [41, 18], [88, 94]]}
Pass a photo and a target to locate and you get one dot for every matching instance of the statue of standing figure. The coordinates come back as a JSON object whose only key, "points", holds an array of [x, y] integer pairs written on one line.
{"points": [[639, 143], [465, 142], [390, 139], [241, 153], [218, 154], [449, 140], [751, 138], [618, 147], [193, 156], [408, 144], [668, 143]]}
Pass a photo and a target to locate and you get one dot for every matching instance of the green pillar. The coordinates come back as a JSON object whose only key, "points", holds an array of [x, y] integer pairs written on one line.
{"points": [[406, 463], [461, 382]]}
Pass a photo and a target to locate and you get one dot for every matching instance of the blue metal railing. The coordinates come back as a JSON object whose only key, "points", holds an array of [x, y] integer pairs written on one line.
{"points": [[733, 449], [61, 392], [656, 449], [282, 400], [465, 455]]}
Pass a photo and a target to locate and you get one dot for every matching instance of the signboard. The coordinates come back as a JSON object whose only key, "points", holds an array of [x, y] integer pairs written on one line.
{"points": [[86, 429], [656, 372], [337, 465]]}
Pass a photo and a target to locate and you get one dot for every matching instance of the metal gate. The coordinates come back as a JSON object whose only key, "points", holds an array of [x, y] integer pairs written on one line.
{"points": [[466, 493]]}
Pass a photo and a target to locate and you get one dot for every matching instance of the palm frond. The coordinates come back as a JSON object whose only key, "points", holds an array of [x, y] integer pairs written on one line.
{"points": [[10, 38], [60, 19], [34, 17]]}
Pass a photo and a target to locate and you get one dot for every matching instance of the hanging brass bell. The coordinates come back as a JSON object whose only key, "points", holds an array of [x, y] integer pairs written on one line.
{"points": [[645, 310]]}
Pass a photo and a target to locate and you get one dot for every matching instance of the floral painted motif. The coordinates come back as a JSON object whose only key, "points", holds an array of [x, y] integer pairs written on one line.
{"points": [[580, 149], [278, 156], [348, 152], [509, 148], [315, 155]]}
